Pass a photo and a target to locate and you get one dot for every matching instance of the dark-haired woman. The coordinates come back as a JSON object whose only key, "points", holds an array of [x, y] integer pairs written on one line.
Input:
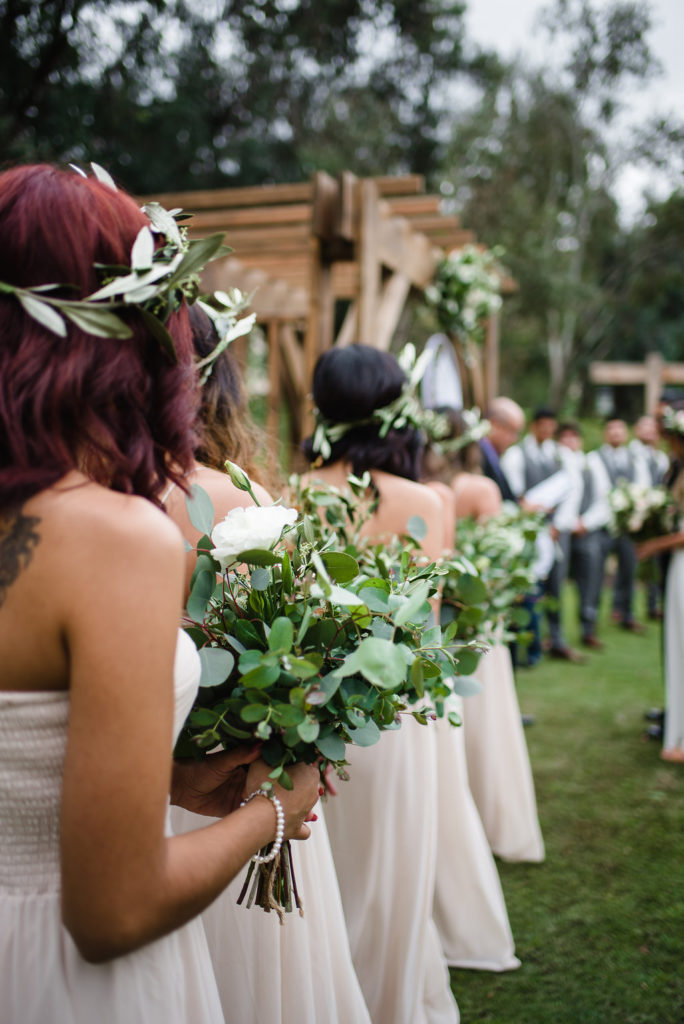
{"points": [[266, 974], [383, 824], [96, 903]]}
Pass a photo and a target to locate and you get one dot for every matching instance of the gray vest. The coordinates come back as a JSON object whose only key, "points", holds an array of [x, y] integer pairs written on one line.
{"points": [[614, 474], [588, 490], [539, 468]]}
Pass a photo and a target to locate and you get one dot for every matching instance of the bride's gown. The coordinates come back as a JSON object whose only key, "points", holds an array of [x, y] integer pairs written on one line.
{"points": [[673, 734], [383, 833], [498, 762], [300, 972], [469, 907], [43, 978]]}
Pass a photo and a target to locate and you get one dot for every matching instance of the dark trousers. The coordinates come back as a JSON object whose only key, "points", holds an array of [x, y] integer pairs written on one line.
{"points": [[553, 588], [623, 590], [586, 569]]}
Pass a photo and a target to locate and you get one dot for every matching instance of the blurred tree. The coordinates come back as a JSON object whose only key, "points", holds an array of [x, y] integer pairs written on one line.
{"points": [[534, 166], [177, 94]]}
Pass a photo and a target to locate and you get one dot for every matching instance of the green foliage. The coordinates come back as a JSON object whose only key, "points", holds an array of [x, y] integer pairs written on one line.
{"points": [[294, 659]]}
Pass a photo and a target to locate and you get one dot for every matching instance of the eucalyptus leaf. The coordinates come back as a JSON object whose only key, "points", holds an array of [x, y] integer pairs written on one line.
{"points": [[260, 579], [217, 664], [200, 595], [366, 736], [378, 661], [308, 730], [257, 556], [281, 635], [261, 676], [417, 528], [331, 746], [340, 566], [253, 712], [413, 604]]}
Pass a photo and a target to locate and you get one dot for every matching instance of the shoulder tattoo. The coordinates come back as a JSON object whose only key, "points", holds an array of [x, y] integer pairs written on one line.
{"points": [[18, 538]]}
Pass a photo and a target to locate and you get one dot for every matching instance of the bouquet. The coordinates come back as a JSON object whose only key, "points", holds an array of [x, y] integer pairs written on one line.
{"points": [[639, 511], [492, 571], [302, 650], [466, 291]]}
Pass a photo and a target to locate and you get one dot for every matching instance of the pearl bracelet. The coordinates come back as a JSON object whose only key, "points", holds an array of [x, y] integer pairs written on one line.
{"points": [[280, 825]]}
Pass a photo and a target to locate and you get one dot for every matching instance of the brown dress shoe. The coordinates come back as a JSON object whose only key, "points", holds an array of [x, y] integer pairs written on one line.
{"points": [[633, 627], [593, 642], [567, 654]]}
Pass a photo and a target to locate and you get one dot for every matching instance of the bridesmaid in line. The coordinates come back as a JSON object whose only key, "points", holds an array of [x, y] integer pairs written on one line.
{"points": [[383, 824], [266, 974], [496, 751], [672, 545], [96, 902]]}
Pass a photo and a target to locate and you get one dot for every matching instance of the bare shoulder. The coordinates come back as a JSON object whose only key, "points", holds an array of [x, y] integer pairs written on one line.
{"points": [[84, 519], [418, 497]]}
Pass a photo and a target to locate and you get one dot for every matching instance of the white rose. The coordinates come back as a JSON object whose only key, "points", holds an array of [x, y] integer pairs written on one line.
{"points": [[244, 529]]}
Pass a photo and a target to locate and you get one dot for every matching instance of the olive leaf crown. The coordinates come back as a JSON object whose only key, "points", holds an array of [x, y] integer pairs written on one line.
{"points": [[403, 411], [673, 420], [155, 283], [475, 427]]}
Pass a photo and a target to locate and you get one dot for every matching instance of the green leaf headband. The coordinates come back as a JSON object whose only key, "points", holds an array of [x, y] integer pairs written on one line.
{"points": [[403, 411], [155, 283]]}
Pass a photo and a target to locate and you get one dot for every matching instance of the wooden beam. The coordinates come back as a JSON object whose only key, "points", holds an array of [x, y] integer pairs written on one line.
{"points": [[368, 256], [392, 301], [326, 193], [389, 185], [250, 195], [348, 332], [412, 206], [250, 217], [406, 251]]}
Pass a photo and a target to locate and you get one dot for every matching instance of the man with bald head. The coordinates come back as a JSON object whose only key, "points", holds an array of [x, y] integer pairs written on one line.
{"points": [[507, 421]]}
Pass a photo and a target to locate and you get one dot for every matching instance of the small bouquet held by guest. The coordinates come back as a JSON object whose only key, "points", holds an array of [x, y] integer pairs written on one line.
{"points": [[302, 652], [640, 512]]}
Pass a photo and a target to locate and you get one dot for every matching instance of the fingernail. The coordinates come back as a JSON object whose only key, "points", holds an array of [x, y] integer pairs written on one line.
{"points": [[314, 817], [321, 790]]}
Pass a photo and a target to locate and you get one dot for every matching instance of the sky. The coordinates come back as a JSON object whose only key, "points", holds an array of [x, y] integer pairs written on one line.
{"points": [[508, 26]]}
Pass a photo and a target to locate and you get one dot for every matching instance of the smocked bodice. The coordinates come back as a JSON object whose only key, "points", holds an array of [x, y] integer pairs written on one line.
{"points": [[33, 734]]}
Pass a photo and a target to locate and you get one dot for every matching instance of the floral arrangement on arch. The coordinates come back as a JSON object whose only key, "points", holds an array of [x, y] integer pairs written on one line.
{"points": [[466, 291]]}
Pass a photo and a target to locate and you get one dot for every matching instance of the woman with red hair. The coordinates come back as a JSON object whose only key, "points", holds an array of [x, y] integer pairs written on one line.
{"points": [[96, 902]]}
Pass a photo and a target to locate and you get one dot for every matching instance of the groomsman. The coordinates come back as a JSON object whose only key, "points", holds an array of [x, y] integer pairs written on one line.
{"points": [[526, 465], [612, 462], [645, 447], [580, 520]]}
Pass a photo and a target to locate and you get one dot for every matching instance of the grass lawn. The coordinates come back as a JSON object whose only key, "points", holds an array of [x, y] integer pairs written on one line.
{"points": [[599, 926]]}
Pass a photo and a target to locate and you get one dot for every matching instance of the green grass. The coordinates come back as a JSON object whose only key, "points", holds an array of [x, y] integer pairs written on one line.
{"points": [[599, 926]]}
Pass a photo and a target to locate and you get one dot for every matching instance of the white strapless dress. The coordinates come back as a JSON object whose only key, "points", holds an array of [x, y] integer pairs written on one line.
{"points": [[499, 764], [43, 978], [383, 833], [673, 738], [300, 972], [469, 908]]}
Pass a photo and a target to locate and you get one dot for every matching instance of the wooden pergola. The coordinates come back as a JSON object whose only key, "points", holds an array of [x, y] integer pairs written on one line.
{"points": [[330, 262], [653, 374]]}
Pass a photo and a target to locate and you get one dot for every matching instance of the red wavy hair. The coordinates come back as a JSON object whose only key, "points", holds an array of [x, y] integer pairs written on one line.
{"points": [[119, 410]]}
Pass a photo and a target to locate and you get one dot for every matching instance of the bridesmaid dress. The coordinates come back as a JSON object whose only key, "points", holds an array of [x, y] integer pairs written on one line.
{"points": [[673, 732], [43, 978], [300, 972], [383, 833], [499, 764], [469, 908]]}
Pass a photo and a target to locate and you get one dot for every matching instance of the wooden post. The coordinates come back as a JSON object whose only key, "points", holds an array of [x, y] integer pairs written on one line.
{"points": [[369, 265], [491, 361], [653, 384], [274, 392]]}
